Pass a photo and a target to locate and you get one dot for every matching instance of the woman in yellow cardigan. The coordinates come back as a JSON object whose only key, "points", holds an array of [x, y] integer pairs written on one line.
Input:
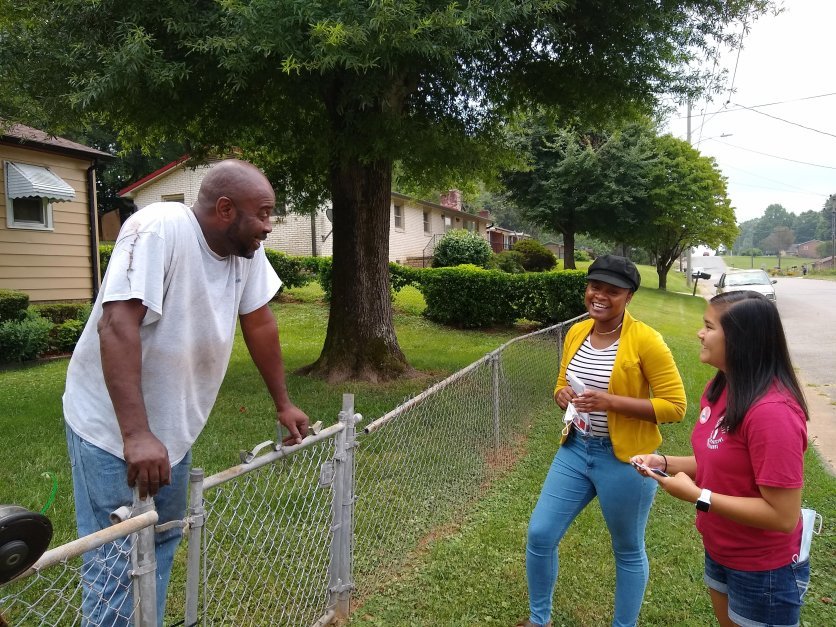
{"points": [[611, 364]]}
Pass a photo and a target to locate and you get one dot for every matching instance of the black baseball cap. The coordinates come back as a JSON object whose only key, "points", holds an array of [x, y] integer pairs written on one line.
{"points": [[615, 270]]}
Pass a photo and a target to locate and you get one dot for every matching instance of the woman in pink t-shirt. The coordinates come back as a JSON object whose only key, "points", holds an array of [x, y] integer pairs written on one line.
{"points": [[747, 471]]}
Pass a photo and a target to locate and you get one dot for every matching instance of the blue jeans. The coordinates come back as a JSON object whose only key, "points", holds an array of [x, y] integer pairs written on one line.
{"points": [[100, 486], [759, 598], [585, 467]]}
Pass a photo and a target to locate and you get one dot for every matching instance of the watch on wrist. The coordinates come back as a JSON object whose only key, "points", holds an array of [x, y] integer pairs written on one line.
{"points": [[704, 502]]}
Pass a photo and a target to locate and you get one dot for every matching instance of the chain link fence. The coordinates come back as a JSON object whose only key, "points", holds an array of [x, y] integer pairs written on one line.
{"points": [[296, 535], [51, 591]]}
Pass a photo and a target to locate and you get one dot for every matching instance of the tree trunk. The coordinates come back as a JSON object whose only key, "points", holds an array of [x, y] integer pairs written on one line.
{"points": [[662, 272], [360, 343], [568, 250]]}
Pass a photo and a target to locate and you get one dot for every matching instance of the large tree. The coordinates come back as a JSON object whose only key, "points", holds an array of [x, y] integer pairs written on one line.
{"points": [[582, 181], [329, 94], [686, 205]]}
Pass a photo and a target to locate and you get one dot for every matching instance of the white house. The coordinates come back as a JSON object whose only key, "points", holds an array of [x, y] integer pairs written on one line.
{"points": [[415, 228]]}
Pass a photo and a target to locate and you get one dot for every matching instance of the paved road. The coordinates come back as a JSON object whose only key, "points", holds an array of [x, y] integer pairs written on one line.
{"points": [[808, 312]]}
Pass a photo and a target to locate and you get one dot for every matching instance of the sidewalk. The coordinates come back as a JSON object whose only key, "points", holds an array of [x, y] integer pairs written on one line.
{"points": [[821, 430]]}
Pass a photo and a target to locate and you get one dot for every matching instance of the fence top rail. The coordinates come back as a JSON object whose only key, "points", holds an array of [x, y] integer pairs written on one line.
{"points": [[268, 458], [400, 409], [88, 543]]}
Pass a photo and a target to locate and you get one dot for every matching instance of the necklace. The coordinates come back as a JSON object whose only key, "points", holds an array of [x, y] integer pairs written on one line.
{"points": [[609, 332]]}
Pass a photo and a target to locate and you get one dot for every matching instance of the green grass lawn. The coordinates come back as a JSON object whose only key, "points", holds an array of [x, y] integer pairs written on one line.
{"points": [[473, 572]]}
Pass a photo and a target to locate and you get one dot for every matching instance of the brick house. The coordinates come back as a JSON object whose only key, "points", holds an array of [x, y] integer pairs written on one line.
{"points": [[809, 248]]}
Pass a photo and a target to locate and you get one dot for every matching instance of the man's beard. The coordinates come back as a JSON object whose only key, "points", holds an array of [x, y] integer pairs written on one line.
{"points": [[240, 249]]}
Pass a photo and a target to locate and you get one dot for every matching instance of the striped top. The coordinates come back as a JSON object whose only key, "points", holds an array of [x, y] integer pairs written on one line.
{"points": [[594, 368]]}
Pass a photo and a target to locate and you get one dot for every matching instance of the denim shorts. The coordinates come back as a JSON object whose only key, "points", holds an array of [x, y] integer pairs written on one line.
{"points": [[761, 598]]}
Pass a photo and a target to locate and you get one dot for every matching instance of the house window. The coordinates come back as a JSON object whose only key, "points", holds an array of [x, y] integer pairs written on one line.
{"points": [[427, 225], [173, 198], [399, 217], [470, 226], [448, 223], [30, 192]]}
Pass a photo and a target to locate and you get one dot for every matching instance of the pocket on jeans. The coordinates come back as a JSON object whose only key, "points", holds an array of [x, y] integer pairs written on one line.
{"points": [[802, 577]]}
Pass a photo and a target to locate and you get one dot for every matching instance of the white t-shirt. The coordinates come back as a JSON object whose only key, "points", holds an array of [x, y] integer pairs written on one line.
{"points": [[194, 298]]}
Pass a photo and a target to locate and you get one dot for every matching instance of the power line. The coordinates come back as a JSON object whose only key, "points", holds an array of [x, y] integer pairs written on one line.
{"points": [[765, 178], [767, 104], [817, 165], [737, 60], [775, 117], [784, 191]]}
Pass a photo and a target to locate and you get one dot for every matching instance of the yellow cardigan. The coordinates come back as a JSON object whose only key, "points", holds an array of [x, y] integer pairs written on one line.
{"points": [[643, 362]]}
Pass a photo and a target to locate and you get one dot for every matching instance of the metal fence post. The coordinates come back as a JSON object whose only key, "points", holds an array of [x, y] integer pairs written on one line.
{"points": [[495, 398], [342, 508], [193, 566], [144, 567]]}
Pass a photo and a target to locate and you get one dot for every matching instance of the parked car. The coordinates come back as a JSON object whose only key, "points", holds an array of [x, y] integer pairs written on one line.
{"points": [[754, 280]]}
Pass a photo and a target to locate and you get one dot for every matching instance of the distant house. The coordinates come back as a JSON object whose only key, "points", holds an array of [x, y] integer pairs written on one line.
{"points": [[809, 248], [415, 227], [48, 216], [503, 239], [556, 247]]}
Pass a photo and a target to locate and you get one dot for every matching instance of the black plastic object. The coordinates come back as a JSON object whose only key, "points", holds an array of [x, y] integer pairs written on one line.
{"points": [[24, 536]]}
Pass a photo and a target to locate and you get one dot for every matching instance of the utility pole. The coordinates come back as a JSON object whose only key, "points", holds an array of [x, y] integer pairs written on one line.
{"points": [[688, 261]]}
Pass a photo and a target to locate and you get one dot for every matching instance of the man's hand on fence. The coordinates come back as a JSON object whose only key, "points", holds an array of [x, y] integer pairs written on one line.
{"points": [[148, 465], [296, 421]]}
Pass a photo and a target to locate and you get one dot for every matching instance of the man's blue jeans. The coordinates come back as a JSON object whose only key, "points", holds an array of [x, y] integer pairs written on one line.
{"points": [[585, 467], [100, 486]]}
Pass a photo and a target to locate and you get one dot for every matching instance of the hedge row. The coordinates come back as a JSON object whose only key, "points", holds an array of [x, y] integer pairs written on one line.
{"points": [[471, 297]]}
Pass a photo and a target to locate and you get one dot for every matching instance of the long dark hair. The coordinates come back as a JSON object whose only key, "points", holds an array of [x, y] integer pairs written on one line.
{"points": [[756, 355]]}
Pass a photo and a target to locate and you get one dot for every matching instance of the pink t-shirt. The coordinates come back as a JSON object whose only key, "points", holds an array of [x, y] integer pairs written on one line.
{"points": [[768, 450]]}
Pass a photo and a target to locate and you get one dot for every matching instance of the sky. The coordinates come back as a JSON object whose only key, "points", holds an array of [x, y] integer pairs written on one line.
{"points": [[790, 59]]}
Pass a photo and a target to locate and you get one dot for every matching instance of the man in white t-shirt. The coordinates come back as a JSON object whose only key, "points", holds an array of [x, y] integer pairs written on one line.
{"points": [[148, 366]]}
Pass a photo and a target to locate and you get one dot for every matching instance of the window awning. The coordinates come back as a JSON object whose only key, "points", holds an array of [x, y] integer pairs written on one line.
{"points": [[25, 180]]}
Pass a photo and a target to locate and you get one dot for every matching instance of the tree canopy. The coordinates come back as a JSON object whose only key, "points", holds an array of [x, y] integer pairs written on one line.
{"points": [[582, 181], [687, 205], [326, 96]]}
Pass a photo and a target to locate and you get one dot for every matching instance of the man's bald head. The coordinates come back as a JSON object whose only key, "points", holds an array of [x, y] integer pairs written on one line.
{"points": [[233, 179]]}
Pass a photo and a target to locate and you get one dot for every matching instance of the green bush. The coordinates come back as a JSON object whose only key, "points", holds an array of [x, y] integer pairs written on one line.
{"points": [[293, 271], [468, 297], [63, 337], [324, 276], [401, 276], [461, 246], [13, 304], [536, 257], [21, 340], [509, 261], [550, 297], [582, 255], [58, 313], [105, 251]]}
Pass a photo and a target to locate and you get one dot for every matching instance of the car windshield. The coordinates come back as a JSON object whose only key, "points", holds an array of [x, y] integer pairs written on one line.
{"points": [[747, 278]]}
